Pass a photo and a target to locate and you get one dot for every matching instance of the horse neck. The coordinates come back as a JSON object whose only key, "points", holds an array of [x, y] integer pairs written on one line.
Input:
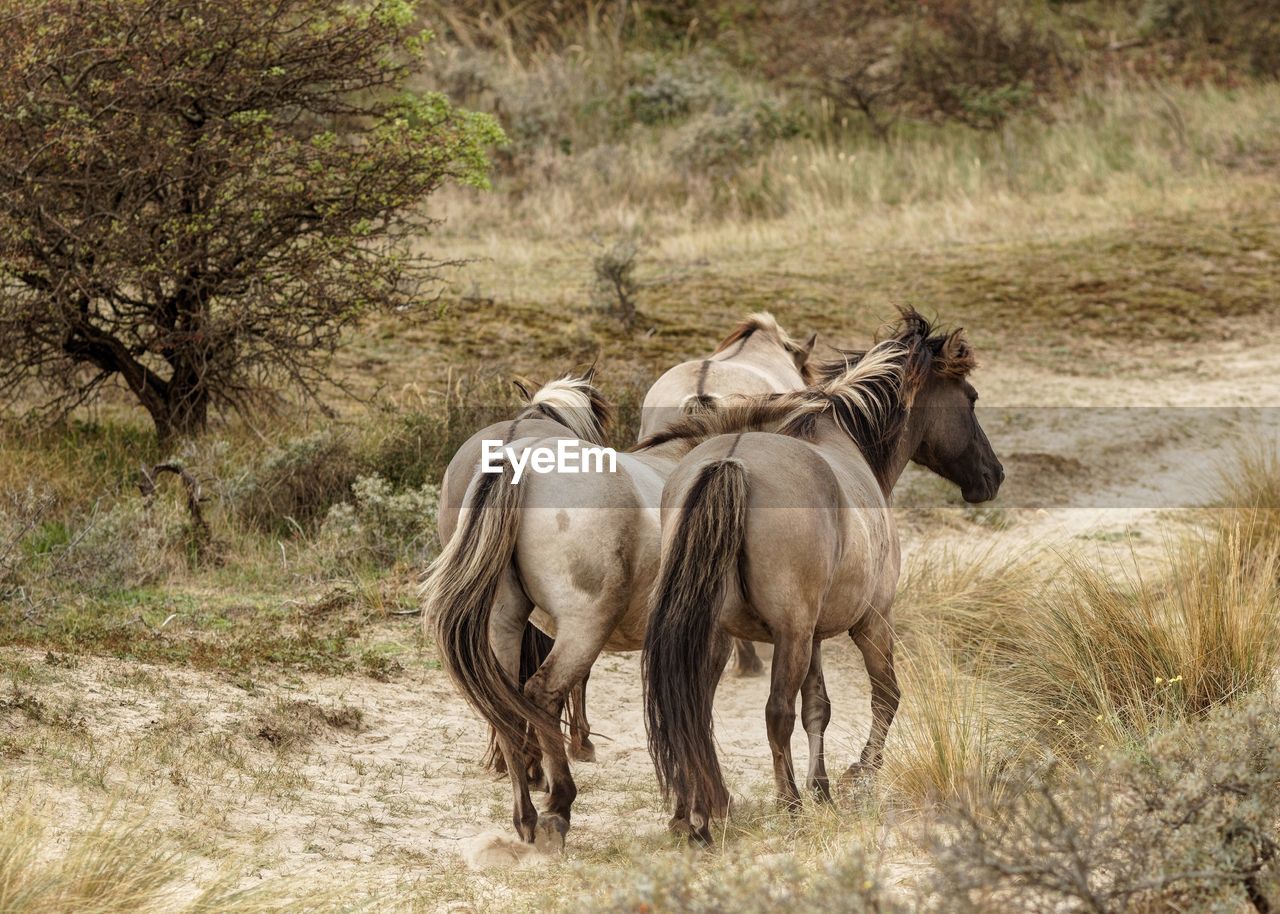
{"points": [[832, 440]]}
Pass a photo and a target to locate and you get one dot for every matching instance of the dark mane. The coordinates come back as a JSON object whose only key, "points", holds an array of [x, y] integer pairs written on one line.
{"points": [[735, 414]]}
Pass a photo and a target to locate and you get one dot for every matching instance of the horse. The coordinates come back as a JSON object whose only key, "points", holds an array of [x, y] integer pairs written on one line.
{"points": [[757, 358], [574, 553], [787, 536], [568, 407]]}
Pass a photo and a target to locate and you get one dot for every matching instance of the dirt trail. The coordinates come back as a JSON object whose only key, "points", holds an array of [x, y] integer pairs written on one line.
{"points": [[350, 778]]}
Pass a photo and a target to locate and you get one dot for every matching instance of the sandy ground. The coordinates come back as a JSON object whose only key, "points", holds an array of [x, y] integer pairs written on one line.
{"points": [[340, 779]]}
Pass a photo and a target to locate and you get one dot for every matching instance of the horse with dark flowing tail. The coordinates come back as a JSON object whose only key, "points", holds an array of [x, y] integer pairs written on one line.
{"points": [[757, 359], [788, 537], [570, 407], [576, 553]]}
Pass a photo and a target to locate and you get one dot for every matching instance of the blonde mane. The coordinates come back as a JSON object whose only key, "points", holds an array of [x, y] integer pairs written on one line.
{"points": [[575, 403]]}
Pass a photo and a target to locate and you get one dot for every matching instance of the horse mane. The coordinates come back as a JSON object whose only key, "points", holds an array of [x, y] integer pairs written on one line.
{"points": [[574, 402], [765, 323], [867, 394]]}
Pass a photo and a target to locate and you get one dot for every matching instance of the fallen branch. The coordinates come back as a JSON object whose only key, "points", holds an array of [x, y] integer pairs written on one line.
{"points": [[147, 486]]}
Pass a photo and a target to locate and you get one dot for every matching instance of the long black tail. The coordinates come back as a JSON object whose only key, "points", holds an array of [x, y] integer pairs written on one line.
{"points": [[681, 661]]}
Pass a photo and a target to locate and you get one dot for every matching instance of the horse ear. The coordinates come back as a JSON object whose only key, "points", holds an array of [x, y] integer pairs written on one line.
{"points": [[590, 374], [522, 385], [807, 346], [956, 356]]}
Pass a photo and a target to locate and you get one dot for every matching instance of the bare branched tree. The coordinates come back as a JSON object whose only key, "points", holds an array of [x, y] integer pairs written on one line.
{"points": [[197, 197]]}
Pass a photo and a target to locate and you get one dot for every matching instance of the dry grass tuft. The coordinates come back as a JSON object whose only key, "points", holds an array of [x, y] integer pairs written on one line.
{"points": [[121, 869]]}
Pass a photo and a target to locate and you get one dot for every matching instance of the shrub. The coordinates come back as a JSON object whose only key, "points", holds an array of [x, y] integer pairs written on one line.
{"points": [[1246, 30], [719, 143], [412, 448], [979, 61], [845, 53], [614, 287], [297, 482], [1187, 823], [379, 525], [669, 90], [131, 544]]}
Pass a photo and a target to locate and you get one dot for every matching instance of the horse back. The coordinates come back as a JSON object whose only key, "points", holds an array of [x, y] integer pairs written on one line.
{"points": [[466, 463]]}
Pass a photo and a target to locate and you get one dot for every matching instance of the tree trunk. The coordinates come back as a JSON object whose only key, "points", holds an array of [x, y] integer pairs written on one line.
{"points": [[182, 414]]}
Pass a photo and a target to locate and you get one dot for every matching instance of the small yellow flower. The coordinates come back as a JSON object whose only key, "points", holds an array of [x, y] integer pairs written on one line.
{"points": [[868, 884], [1061, 723], [1159, 679], [1177, 678], [1098, 718]]}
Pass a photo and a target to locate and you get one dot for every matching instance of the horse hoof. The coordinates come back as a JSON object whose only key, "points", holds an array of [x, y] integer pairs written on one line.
{"points": [[859, 777], [550, 834], [583, 753], [748, 669], [680, 827]]}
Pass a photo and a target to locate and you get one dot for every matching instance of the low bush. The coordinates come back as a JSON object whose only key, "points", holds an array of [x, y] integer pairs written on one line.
{"points": [[979, 61], [379, 525], [719, 143], [1187, 822], [1246, 32], [614, 288], [297, 482]]}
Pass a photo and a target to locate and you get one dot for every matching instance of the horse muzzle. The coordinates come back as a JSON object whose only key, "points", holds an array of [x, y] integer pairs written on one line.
{"points": [[985, 490]]}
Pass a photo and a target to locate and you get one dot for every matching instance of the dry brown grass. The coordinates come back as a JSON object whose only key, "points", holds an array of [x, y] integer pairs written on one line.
{"points": [[118, 867]]}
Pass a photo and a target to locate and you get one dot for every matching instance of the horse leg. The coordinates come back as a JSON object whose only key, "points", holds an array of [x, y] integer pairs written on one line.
{"points": [[791, 661], [874, 638], [569, 662], [581, 749], [748, 661], [815, 712], [506, 630]]}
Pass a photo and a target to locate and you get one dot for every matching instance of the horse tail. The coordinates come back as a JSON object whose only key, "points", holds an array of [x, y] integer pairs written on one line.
{"points": [[458, 603], [535, 647], [681, 660]]}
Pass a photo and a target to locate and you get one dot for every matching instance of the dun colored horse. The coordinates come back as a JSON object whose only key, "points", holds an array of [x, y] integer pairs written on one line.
{"points": [[569, 407], [574, 553], [788, 537], [757, 359]]}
